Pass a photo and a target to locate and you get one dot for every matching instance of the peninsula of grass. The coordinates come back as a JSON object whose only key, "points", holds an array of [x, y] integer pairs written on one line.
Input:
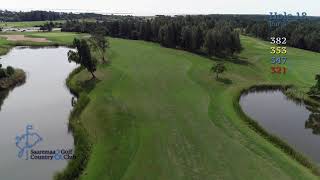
{"points": [[15, 78], [159, 113]]}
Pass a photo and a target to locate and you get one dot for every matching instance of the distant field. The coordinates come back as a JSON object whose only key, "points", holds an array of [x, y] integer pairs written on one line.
{"points": [[25, 24], [55, 38], [33, 23], [159, 114], [60, 37]]}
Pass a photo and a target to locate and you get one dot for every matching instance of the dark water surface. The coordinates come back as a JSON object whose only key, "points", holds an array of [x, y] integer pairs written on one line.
{"points": [[295, 123], [44, 102]]}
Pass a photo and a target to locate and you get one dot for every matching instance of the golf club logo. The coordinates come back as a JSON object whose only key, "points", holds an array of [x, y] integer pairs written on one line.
{"points": [[27, 141]]}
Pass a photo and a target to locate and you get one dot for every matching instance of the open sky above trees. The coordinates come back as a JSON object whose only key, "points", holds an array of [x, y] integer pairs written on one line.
{"points": [[167, 7]]}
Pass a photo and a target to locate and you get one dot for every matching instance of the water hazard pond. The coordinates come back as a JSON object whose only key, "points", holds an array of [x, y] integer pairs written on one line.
{"points": [[295, 123], [43, 102]]}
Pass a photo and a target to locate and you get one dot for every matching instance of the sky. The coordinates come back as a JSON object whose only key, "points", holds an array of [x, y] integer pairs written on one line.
{"points": [[168, 7]]}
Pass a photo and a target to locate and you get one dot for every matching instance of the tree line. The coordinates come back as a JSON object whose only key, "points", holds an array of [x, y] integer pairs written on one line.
{"points": [[12, 16], [199, 34], [187, 32], [300, 34]]}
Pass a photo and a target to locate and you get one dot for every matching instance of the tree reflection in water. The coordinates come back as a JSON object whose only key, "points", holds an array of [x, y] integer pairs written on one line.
{"points": [[313, 122], [3, 95]]}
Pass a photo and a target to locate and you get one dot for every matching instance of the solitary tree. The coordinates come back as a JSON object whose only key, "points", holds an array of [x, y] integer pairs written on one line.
{"points": [[47, 26], [10, 70], [99, 41], [83, 56], [218, 69]]}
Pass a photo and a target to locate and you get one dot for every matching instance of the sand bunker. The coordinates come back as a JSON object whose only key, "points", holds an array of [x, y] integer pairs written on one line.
{"points": [[23, 38]]}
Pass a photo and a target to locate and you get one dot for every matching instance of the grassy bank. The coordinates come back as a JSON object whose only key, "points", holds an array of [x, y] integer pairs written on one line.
{"points": [[271, 138], [159, 113], [81, 141]]}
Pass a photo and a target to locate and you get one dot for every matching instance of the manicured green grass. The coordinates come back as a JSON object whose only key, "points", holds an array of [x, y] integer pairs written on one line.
{"points": [[55, 38], [58, 37], [159, 113]]}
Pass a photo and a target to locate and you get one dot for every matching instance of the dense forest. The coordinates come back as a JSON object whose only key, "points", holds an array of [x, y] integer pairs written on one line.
{"points": [[303, 34], [198, 34], [10, 16], [211, 34]]}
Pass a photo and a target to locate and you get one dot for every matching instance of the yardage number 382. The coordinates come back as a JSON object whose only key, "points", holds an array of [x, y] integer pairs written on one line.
{"points": [[278, 40]]}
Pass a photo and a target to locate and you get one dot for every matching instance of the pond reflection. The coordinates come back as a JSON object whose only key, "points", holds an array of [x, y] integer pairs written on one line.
{"points": [[43, 101], [293, 121], [3, 95], [313, 123]]}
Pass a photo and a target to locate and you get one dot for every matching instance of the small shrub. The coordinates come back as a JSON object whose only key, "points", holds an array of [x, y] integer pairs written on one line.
{"points": [[3, 73], [10, 70]]}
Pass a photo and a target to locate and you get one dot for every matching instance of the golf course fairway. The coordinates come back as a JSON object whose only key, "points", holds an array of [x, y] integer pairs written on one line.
{"points": [[160, 114]]}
